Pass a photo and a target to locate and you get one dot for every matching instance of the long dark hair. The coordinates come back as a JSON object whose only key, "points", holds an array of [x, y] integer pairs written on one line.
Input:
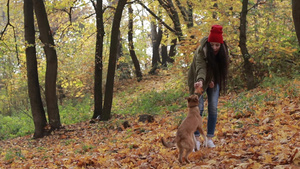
{"points": [[218, 65]]}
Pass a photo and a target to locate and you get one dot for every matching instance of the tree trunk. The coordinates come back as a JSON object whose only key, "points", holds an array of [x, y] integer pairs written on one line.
{"points": [[215, 6], [296, 17], [186, 13], [172, 51], [135, 61], [51, 69], [38, 112], [190, 15], [156, 39], [173, 14], [164, 51], [164, 55], [98, 61], [248, 68], [112, 61], [169, 7], [119, 48]]}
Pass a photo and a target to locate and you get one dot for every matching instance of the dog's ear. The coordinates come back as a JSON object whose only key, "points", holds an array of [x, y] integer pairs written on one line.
{"points": [[195, 99], [188, 99]]}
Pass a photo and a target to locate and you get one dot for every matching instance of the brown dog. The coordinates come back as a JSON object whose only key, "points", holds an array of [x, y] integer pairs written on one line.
{"points": [[185, 138]]}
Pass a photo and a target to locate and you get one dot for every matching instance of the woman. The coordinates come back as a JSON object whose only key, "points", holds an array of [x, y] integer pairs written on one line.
{"points": [[209, 71]]}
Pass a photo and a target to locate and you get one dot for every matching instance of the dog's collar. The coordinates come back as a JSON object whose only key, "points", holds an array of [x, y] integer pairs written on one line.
{"points": [[193, 106], [198, 94]]}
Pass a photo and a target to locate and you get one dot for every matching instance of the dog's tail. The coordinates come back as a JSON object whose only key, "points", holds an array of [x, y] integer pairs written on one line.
{"points": [[167, 144]]}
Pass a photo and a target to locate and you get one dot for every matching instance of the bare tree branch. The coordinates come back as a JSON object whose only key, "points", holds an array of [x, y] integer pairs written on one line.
{"points": [[8, 21], [6, 26], [103, 10], [158, 18], [255, 5]]}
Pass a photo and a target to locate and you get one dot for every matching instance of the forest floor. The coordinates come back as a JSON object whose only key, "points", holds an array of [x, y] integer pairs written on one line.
{"points": [[265, 135]]}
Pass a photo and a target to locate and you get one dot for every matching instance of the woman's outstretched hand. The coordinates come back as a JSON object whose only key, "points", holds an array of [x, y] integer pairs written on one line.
{"points": [[198, 87], [198, 84]]}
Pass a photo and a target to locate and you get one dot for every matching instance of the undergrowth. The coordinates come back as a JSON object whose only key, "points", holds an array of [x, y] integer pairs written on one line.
{"points": [[153, 102], [21, 123], [270, 90]]}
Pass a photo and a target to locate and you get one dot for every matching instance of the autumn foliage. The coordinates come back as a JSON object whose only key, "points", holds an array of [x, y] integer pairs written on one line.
{"points": [[255, 129]]}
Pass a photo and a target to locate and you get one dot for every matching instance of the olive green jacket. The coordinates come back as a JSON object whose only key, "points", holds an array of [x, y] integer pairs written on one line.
{"points": [[198, 68]]}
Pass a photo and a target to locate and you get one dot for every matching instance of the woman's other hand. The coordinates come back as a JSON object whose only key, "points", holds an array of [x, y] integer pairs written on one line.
{"points": [[211, 84]]}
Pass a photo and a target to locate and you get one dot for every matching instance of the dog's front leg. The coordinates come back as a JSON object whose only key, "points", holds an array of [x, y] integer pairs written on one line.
{"points": [[200, 129], [195, 143]]}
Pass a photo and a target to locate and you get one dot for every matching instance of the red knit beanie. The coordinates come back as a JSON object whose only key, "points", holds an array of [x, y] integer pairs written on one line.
{"points": [[216, 34]]}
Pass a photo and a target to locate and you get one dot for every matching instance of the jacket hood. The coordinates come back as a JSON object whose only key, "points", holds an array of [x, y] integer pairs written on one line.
{"points": [[203, 46]]}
